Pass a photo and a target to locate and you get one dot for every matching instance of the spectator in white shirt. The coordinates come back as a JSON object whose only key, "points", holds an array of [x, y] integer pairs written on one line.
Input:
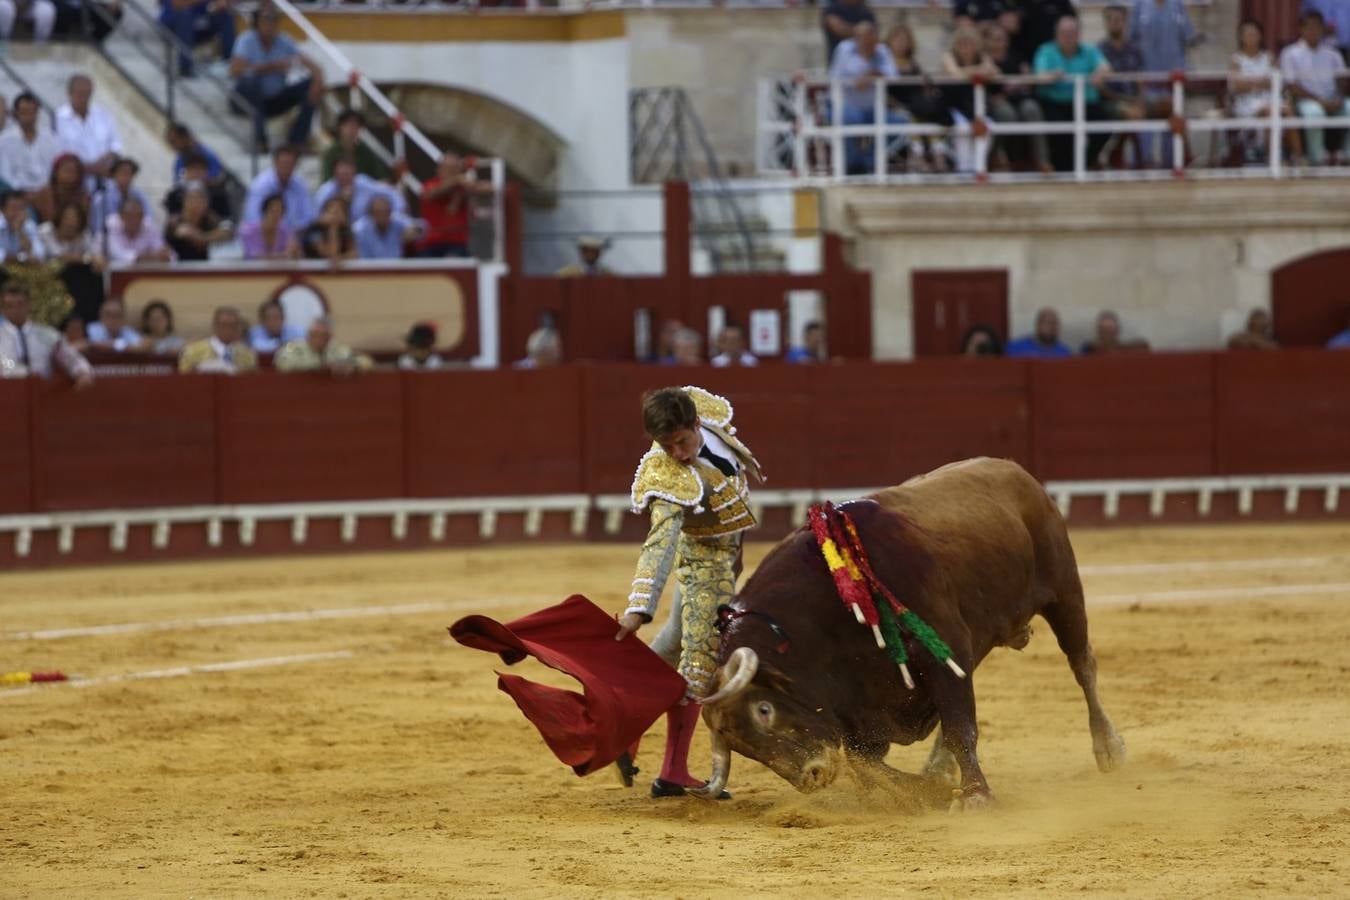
{"points": [[111, 331], [731, 344], [27, 151], [281, 179], [1310, 69], [42, 13], [86, 129], [420, 355], [543, 348], [19, 237], [29, 348], [131, 239], [383, 233]]}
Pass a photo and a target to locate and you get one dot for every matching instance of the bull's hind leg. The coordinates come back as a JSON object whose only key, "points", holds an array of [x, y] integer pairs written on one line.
{"points": [[1068, 620]]}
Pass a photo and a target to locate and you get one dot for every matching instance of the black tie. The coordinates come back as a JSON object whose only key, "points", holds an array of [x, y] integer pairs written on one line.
{"points": [[23, 345], [722, 465]]}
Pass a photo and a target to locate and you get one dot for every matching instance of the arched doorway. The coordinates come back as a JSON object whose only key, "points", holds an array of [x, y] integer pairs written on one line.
{"points": [[1310, 298]]}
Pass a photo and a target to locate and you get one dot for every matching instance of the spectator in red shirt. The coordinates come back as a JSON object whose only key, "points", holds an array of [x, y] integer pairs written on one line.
{"points": [[445, 208]]}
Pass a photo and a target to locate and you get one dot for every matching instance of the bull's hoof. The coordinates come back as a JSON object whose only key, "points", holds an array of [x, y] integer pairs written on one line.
{"points": [[627, 769], [662, 788], [970, 800], [1110, 752]]}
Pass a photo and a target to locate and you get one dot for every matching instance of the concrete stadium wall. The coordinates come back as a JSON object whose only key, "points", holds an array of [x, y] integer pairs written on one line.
{"points": [[1181, 262]]}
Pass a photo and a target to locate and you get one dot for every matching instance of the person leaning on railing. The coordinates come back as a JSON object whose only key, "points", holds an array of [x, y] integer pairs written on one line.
{"points": [[858, 62], [1311, 73], [965, 59], [1061, 58], [923, 102]]}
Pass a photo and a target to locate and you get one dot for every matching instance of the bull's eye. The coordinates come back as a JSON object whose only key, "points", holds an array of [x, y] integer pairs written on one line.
{"points": [[762, 713]]}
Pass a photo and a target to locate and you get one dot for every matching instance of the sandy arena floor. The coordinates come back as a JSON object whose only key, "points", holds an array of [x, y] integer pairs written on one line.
{"points": [[399, 769]]}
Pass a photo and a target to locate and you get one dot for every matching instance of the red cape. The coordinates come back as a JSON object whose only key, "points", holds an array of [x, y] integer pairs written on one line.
{"points": [[627, 686]]}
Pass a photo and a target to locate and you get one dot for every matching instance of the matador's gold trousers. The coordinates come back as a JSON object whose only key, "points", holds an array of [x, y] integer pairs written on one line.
{"points": [[706, 578]]}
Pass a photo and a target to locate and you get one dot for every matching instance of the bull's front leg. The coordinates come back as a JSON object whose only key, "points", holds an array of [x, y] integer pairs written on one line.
{"points": [[955, 701], [911, 793]]}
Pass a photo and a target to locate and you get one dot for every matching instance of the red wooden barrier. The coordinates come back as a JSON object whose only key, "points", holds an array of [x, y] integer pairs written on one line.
{"points": [[15, 454], [308, 437], [147, 441], [1283, 412], [493, 433], [1124, 416]]}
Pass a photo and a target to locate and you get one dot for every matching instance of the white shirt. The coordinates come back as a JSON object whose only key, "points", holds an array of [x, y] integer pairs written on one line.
{"points": [[42, 344], [25, 164], [11, 245], [89, 138], [722, 360], [718, 447], [129, 339], [1313, 69], [1250, 102]]}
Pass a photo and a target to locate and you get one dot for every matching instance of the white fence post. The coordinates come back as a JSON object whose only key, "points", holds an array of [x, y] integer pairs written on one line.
{"points": [[1276, 148], [802, 129], [879, 128], [980, 142], [1079, 129], [1178, 113], [837, 123]]}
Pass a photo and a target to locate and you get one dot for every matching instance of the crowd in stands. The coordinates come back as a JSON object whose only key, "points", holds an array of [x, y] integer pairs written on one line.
{"points": [[992, 40]]}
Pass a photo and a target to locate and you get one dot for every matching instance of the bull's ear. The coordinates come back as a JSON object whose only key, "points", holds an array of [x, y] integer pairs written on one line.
{"points": [[774, 678]]}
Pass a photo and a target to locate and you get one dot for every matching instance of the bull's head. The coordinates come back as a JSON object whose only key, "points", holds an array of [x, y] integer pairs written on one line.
{"points": [[759, 713]]}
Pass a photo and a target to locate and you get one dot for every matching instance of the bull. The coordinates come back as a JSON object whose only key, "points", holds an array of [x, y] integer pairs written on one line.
{"points": [[976, 548]]}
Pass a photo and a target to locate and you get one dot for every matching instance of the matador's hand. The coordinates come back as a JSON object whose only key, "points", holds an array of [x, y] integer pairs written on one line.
{"points": [[628, 624]]}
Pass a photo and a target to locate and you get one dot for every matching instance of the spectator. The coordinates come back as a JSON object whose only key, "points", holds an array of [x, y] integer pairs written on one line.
{"points": [[268, 237], [923, 103], [1340, 341], [72, 329], [1067, 56], [383, 233], [111, 331], [1336, 15], [1035, 24], [1107, 336], [271, 332], [86, 129], [184, 144], [223, 351], [157, 326], [688, 348], [974, 13], [330, 237], [1310, 70], [64, 188], [42, 13], [981, 340], [263, 58], [589, 250], [543, 348], [191, 232], [317, 352], [281, 179], [1257, 335], [1163, 32], [859, 62], [664, 354], [965, 59], [1044, 343], [196, 22], [445, 208], [812, 349], [109, 199], [348, 145], [355, 190], [67, 238], [133, 240], [27, 151], [196, 168], [731, 349], [1121, 100], [103, 16], [839, 19], [1249, 83], [1013, 103], [418, 355], [29, 348], [19, 236]]}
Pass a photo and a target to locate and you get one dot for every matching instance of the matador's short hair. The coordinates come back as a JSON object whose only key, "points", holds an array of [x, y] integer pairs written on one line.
{"points": [[667, 411]]}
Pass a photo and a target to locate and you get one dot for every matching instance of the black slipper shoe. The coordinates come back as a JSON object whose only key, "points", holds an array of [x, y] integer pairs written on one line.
{"points": [[661, 788], [627, 770]]}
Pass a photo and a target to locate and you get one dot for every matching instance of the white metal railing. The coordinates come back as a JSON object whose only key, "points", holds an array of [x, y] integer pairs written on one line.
{"points": [[363, 90], [801, 120]]}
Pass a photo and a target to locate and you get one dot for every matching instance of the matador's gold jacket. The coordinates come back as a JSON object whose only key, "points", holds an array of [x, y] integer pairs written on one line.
{"points": [[696, 501]]}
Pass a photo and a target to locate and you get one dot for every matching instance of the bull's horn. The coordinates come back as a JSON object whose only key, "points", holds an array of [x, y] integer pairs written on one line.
{"points": [[737, 674], [721, 769]]}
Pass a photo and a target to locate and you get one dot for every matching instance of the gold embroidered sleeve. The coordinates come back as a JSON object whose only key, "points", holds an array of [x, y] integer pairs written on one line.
{"points": [[657, 558], [659, 477]]}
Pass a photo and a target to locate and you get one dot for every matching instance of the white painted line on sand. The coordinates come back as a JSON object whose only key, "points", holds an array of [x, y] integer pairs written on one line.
{"points": [[181, 671], [1221, 593], [265, 618], [1235, 565]]}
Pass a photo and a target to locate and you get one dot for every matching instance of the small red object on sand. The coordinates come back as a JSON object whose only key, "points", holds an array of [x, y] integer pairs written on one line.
{"points": [[49, 676]]}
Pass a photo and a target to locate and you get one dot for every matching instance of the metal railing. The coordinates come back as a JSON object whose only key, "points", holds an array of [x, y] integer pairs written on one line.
{"points": [[362, 90], [26, 87], [801, 130]]}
